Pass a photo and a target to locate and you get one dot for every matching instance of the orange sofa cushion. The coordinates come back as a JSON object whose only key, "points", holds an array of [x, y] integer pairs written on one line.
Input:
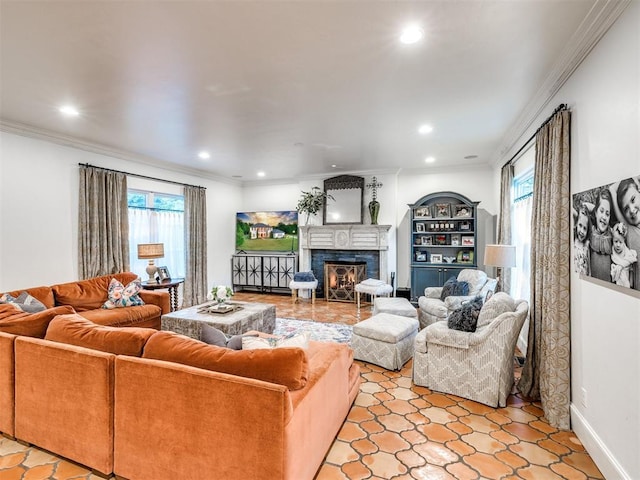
{"points": [[29, 324], [76, 330], [123, 317], [88, 294], [283, 366]]}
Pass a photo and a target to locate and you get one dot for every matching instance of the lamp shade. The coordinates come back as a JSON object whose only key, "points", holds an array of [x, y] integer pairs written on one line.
{"points": [[150, 250], [500, 255]]}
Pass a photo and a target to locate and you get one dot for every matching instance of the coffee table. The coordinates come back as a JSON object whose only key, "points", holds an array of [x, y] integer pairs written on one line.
{"points": [[252, 316]]}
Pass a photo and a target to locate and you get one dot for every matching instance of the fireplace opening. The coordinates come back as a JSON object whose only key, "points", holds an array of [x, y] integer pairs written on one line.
{"points": [[341, 278]]}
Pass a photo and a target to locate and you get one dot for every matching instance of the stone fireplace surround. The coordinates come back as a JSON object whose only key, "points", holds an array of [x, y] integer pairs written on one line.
{"points": [[339, 242]]}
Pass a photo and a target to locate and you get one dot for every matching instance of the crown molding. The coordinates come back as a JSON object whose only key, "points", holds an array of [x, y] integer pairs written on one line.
{"points": [[602, 15], [67, 141]]}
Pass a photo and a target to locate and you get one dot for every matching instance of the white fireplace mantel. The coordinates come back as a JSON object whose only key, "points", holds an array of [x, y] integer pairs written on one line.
{"points": [[345, 237]]}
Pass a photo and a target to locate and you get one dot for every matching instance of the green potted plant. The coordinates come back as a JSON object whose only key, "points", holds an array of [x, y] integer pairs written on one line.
{"points": [[311, 202]]}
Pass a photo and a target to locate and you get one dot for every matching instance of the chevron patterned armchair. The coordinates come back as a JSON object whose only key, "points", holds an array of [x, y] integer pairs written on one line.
{"points": [[475, 365], [432, 309]]}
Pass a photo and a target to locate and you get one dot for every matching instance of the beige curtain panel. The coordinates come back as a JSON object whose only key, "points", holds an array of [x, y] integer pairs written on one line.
{"points": [[546, 374], [504, 226], [195, 224], [103, 223]]}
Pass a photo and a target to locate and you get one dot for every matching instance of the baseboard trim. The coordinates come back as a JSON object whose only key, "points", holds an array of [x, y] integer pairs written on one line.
{"points": [[598, 451]]}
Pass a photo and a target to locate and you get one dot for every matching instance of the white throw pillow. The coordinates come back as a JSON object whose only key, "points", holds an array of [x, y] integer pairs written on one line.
{"points": [[300, 340]]}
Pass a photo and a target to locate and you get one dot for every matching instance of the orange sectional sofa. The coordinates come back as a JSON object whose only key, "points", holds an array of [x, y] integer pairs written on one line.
{"points": [[85, 297], [156, 405]]}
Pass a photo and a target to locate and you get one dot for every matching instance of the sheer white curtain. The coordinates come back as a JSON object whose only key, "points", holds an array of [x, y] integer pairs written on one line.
{"points": [[521, 238], [157, 226]]}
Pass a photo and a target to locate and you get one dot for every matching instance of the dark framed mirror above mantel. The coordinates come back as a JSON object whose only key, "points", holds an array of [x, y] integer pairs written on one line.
{"points": [[348, 198]]}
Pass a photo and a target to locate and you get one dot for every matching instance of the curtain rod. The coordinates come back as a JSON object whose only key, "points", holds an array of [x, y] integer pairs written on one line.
{"points": [[142, 176], [562, 106]]}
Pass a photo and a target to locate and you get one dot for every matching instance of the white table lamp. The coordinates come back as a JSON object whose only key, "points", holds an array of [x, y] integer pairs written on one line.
{"points": [[500, 256], [151, 251]]}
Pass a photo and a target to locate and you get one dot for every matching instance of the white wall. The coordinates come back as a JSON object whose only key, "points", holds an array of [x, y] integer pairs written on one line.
{"points": [[39, 211], [604, 96]]}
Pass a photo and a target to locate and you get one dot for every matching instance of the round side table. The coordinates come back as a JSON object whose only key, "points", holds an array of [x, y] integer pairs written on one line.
{"points": [[170, 284]]}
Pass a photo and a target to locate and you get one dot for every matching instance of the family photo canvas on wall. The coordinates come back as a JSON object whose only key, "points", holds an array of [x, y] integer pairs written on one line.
{"points": [[606, 232]]}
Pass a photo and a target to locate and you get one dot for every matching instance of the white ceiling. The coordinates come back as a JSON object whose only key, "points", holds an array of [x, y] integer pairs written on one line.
{"points": [[289, 88]]}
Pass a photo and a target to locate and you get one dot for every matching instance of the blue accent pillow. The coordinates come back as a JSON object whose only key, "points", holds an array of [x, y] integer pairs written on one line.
{"points": [[465, 318], [303, 277], [455, 288]]}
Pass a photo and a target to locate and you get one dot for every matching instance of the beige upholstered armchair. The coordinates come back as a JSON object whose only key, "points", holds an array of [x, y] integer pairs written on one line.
{"points": [[475, 365], [431, 309]]}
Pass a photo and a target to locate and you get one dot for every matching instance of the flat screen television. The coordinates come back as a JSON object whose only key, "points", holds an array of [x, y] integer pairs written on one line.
{"points": [[267, 231]]}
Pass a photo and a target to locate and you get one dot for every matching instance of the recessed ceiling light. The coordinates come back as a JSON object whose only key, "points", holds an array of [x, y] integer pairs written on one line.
{"points": [[69, 111], [334, 166], [261, 174], [424, 129], [204, 155], [411, 34], [430, 159]]}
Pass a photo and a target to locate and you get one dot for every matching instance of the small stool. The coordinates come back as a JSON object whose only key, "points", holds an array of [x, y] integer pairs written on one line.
{"points": [[395, 306], [385, 340], [295, 286], [373, 290]]}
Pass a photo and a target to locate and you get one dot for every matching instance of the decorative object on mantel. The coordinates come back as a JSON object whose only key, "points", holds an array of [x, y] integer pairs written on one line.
{"points": [[221, 294], [311, 202], [374, 205]]}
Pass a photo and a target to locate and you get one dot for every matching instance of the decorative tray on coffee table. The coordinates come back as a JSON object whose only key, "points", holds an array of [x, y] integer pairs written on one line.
{"points": [[219, 308]]}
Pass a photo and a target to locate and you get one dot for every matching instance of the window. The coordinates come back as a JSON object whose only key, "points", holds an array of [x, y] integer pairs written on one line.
{"points": [[157, 218], [521, 233]]}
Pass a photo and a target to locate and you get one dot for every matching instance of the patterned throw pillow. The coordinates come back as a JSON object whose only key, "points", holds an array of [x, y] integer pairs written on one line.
{"points": [[253, 343], [455, 288], [120, 296], [465, 318], [24, 302]]}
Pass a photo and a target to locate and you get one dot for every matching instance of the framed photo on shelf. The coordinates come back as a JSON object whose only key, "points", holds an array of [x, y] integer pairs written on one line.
{"points": [[441, 239], [465, 226], [443, 210], [421, 257], [436, 258], [419, 227], [423, 212], [163, 273], [465, 256], [461, 211], [467, 241], [455, 240], [428, 240]]}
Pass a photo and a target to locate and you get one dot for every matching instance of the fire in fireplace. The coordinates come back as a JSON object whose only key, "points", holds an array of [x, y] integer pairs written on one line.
{"points": [[340, 279]]}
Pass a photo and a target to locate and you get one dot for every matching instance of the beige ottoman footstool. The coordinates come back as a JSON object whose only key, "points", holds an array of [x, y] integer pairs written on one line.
{"points": [[385, 340], [395, 306]]}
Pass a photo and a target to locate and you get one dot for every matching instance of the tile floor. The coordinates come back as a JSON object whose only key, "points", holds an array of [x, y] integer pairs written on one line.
{"points": [[396, 430]]}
